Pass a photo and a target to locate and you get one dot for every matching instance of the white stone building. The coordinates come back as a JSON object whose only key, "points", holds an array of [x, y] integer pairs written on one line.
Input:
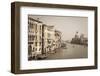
{"points": [[34, 37]]}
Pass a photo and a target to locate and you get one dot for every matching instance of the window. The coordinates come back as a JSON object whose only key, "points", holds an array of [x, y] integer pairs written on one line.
{"points": [[36, 26], [39, 49], [48, 35], [35, 43], [40, 43], [35, 37], [29, 49], [40, 37], [33, 49], [32, 37], [40, 27]]}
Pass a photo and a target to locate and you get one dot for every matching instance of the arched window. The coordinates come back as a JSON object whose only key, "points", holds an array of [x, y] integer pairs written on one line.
{"points": [[29, 49], [33, 49]]}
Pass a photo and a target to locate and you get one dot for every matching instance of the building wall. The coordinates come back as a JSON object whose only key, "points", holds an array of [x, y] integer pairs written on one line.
{"points": [[51, 37], [57, 39], [34, 36]]}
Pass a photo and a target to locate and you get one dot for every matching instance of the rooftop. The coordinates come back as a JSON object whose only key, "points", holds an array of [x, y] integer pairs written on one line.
{"points": [[35, 20]]}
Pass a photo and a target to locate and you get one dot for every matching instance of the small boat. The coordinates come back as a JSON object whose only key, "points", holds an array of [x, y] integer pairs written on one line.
{"points": [[41, 57], [65, 47]]}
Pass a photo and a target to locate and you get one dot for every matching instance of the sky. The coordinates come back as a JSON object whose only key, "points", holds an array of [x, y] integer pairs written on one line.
{"points": [[67, 25]]}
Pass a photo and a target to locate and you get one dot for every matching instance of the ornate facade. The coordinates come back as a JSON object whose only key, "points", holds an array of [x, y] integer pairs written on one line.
{"points": [[34, 37]]}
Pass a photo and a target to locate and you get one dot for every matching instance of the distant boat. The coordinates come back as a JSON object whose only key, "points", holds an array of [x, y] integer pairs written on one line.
{"points": [[41, 57], [64, 45]]}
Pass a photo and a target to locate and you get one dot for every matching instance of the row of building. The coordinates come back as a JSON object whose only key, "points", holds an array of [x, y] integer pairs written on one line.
{"points": [[42, 38]]}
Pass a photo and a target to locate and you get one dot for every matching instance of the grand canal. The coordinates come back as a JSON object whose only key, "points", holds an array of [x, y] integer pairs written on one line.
{"points": [[70, 52]]}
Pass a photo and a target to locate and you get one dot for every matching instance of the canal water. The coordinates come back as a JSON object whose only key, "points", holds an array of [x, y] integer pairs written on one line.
{"points": [[71, 51]]}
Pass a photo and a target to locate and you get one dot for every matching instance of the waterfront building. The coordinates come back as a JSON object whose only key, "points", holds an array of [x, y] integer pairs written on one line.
{"points": [[48, 38], [34, 37], [57, 39]]}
